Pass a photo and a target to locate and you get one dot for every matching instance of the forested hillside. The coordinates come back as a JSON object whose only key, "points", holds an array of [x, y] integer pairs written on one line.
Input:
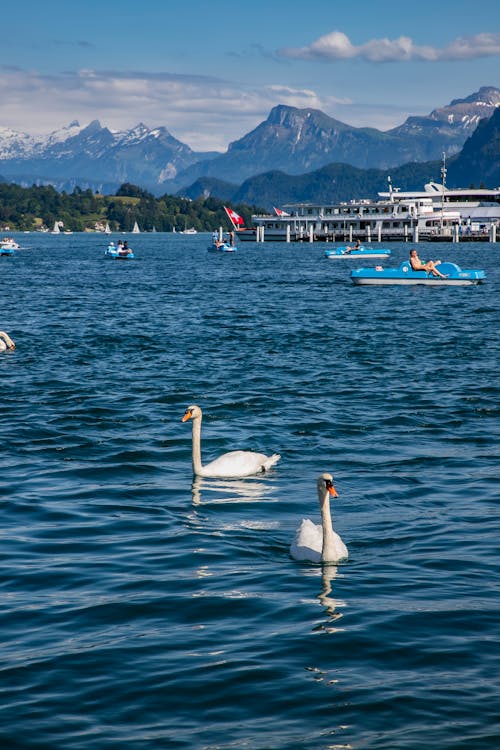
{"points": [[26, 209]]}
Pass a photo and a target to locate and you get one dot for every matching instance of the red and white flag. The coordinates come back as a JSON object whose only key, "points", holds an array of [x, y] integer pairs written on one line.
{"points": [[235, 219], [280, 212]]}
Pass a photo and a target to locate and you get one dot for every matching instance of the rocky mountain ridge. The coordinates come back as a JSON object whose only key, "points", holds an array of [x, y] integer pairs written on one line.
{"points": [[300, 140], [478, 163], [291, 140]]}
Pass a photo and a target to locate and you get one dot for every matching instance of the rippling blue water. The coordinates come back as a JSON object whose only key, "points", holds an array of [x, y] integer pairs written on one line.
{"points": [[144, 611]]}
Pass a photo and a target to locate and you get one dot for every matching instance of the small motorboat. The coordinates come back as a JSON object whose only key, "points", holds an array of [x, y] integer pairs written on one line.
{"points": [[119, 252], [455, 276], [221, 247], [346, 253]]}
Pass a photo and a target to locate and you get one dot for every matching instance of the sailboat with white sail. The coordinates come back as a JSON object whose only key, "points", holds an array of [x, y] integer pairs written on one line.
{"points": [[136, 229]]}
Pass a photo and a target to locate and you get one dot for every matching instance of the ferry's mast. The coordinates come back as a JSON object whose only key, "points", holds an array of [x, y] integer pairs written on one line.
{"points": [[443, 182]]}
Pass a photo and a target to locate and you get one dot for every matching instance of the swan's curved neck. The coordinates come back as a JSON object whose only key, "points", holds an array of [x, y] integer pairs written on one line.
{"points": [[328, 549], [197, 445], [5, 341]]}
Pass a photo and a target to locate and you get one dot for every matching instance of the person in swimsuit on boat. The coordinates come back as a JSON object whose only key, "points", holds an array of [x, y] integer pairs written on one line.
{"points": [[429, 266], [357, 246]]}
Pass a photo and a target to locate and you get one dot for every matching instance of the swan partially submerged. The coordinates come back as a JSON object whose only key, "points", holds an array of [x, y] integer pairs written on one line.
{"points": [[230, 465], [6, 342], [319, 542]]}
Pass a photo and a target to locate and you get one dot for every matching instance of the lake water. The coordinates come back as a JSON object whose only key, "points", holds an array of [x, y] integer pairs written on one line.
{"points": [[144, 611]]}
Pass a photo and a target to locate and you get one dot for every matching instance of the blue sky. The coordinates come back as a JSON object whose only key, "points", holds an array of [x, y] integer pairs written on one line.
{"points": [[211, 71]]}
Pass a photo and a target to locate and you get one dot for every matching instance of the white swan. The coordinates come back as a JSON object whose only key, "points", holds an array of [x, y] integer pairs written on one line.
{"points": [[229, 465], [6, 342], [319, 542]]}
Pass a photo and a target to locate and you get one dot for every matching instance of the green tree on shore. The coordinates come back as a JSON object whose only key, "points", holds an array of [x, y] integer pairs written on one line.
{"points": [[28, 209]]}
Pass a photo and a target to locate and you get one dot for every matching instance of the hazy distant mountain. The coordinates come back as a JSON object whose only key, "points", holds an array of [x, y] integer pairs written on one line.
{"points": [[94, 156], [207, 186], [299, 140], [290, 140]]}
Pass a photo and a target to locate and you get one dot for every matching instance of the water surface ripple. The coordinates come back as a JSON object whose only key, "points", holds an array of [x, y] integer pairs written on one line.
{"points": [[144, 610]]}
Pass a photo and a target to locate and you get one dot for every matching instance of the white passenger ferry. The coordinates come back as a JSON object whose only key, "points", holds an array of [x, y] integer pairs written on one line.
{"points": [[434, 214]]}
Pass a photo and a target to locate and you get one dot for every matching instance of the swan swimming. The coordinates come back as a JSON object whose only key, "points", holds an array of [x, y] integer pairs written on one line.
{"points": [[6, 342], [230, 465], [319, 542]]}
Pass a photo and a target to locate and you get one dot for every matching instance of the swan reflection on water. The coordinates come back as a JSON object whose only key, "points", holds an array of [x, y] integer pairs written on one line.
{"points": [[330, 604], [230, 490]]}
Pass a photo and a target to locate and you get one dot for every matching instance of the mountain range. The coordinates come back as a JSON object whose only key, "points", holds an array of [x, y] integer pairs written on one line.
{"points": [[300, 140], [292, 141], [478, 163], [95, 157]]}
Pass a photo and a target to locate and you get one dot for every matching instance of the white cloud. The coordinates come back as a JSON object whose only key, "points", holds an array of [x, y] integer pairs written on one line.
{"points": [[301, 97], [205, 112], [469, 48], [337, 46]]}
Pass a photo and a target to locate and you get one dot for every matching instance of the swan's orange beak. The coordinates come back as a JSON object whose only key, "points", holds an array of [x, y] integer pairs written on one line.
{"points": [[187, 415], [331, 489]]}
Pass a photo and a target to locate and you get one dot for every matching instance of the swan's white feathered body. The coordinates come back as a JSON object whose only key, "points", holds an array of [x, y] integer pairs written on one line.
{"points": [[319, 542], [6, 342], [308, 543], [238, 464], [230, 465]]}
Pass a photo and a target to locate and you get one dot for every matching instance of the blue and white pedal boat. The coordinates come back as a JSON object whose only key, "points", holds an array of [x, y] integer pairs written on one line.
{"points": [[113, 252], [222, 247], [344, 253], [405, 275], [8, 246]]}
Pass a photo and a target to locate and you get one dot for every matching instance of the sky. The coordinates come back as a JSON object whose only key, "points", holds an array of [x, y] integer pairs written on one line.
{"points": [[211, 71]]}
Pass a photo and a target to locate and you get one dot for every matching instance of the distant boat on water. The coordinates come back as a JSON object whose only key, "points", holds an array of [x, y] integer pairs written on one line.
{"points": [[9, 243], [189, 231], [58, 225], [136, 229], [107, 230]]}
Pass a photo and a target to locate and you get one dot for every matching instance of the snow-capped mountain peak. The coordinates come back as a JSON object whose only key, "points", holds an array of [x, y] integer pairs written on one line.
{"points": [[61, 135], [14, 143]]}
